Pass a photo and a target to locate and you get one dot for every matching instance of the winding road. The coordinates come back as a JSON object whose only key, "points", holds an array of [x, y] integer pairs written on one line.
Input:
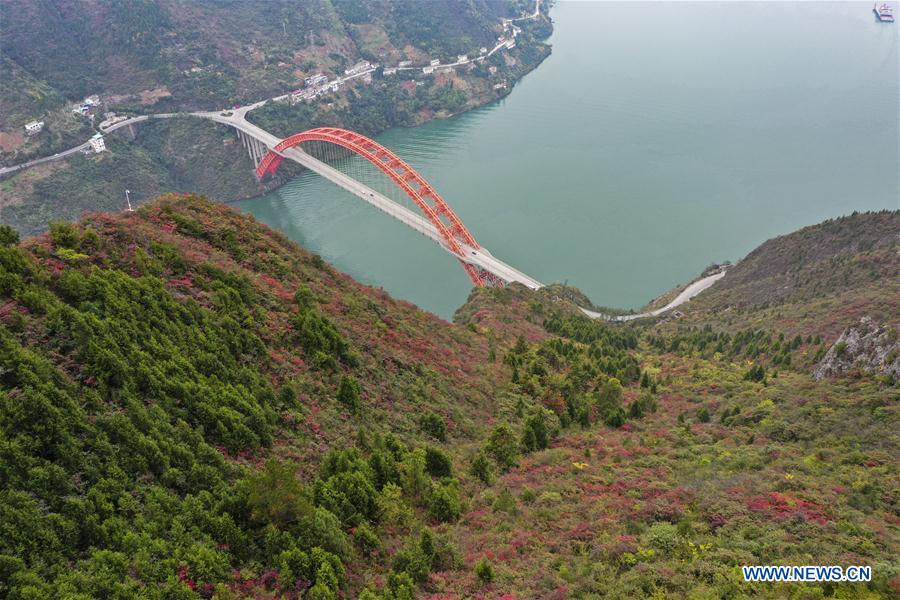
{"points": [[686, 294], [66, 153]]}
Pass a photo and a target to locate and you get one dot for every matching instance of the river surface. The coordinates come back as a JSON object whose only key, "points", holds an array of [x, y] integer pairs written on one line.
{"points": [[656, 139]]}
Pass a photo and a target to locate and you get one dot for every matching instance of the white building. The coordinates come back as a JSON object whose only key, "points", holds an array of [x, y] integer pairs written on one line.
{"points": [[390, 70], [427, 70], [404, 63], [316, 79], [34, 127], [482, 50], [97, 143], [358, 68], [462, 58], [435, 62]]}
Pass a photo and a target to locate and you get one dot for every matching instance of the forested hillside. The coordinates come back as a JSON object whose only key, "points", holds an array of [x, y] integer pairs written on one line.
{"points": [[139, 57], [193, 406], [819, 280], [242, 50]]}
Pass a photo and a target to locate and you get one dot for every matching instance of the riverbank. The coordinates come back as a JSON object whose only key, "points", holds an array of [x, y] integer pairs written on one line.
{"points": [[622, 169], [685, 294], [185, 155]]}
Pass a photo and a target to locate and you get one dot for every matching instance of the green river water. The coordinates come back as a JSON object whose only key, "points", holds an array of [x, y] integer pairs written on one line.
{"points": [[656, 139]]}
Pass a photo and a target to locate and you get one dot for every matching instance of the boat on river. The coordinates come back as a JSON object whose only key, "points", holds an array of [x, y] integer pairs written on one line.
{"points": [[884, 13]]}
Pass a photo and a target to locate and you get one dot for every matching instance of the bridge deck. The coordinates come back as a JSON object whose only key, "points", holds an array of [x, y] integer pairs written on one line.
{"points": [[480, 257]]}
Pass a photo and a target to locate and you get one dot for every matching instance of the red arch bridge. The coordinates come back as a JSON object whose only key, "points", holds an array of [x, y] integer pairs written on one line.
{"points": [[378, 176]]}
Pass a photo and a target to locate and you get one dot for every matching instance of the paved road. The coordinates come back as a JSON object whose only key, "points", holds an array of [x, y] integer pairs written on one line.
{"points": [[38, 161], [340, 80], [685, 295], [85, 145]]}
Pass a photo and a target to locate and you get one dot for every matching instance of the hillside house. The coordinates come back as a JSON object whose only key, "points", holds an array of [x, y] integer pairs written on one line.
{"points": [[97, 143], [314, 80], [358, 68], [34, 127]]}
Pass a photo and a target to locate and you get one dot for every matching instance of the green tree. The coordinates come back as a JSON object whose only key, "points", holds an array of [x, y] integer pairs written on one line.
{"points": [[481, 468], [433, 425], [503, 447], [445, 504], [275, 495], [437, 463], [348, 392], [8, 236], [484, 571]]}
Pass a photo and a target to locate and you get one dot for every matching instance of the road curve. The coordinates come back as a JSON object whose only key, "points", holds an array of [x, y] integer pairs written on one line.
{"points": [[685, 295], [83, 146]]}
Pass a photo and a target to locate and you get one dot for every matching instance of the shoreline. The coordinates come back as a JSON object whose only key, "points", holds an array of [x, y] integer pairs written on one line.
{"points": [[689, 291], [509, 91]]}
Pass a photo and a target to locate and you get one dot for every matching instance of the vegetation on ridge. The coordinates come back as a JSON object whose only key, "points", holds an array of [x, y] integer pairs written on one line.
{"points": [[192, 406]]}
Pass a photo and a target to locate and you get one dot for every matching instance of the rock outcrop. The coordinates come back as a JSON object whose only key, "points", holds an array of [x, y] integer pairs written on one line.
{"points": [[868, 347]]}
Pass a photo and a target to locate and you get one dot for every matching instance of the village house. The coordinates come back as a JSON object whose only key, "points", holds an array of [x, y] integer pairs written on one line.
{"points": [[358, 68], [34, 127], [435, 62], [317, 79], [97, 143]]}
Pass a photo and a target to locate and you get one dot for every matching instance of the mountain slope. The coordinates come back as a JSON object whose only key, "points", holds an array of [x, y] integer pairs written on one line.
{"points": [[152, 361], [246, 50], [815, 281], [193, 406]]}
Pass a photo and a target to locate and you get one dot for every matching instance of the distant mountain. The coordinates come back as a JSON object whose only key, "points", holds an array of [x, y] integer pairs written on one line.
{"points": [[141, 57], [193, 406], [179, 54]]}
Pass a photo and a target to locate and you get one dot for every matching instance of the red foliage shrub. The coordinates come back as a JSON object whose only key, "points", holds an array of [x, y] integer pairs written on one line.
{"points": [[781, 506]]}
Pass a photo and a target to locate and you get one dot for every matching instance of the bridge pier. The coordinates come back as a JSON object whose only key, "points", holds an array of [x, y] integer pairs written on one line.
{"points": [[256, 150]]}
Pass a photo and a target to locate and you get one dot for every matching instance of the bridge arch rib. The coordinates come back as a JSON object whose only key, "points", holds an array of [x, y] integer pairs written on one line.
{"points": [[435, 209]]}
